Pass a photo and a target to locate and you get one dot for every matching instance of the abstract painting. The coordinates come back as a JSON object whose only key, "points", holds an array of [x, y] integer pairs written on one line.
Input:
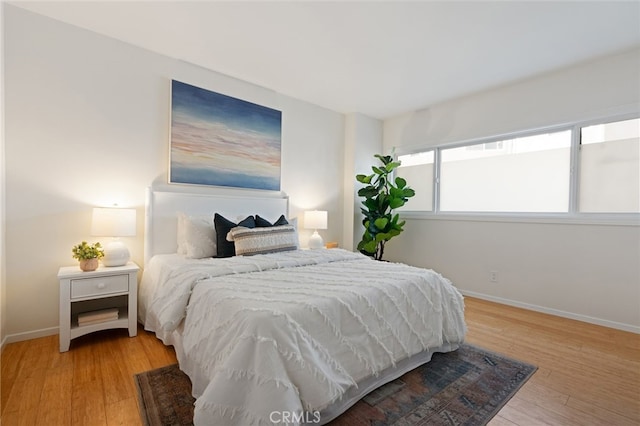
{"points": [[223, 141]]}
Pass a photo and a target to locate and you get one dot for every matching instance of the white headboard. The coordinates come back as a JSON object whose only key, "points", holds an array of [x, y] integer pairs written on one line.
{"points": [[162, 208]]}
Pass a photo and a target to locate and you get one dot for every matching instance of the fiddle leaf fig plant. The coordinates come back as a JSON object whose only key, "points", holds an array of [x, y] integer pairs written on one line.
{"points": [[382, 195]]}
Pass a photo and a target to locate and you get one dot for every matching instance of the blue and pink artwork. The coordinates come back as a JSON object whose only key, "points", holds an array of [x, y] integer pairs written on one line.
{"points": [[223, 141]]}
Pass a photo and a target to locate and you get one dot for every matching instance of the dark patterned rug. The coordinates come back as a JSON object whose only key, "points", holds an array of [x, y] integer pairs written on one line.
{"points": [[464, 387]]}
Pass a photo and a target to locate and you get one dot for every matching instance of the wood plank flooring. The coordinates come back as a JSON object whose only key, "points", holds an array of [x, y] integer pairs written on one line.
{"points": [[587, 375]]}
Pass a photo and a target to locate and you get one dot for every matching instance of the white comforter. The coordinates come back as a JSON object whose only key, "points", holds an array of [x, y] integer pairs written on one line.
{"points": [[292, 332]]}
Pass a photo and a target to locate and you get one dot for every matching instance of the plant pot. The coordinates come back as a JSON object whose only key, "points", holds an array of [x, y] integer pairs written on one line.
{"points": [[89, 264]]}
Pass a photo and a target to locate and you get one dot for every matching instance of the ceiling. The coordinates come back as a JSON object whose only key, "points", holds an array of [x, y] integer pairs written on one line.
{"points": [[379, 58]]}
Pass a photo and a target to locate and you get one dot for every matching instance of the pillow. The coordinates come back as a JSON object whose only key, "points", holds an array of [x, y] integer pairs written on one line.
{"points": [[196, 236], [262, 222], [181, 234], [263, 240], [223, 226]]}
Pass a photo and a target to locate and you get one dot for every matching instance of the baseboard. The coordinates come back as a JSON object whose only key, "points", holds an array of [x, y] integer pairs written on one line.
{"points": [[556, 312], [19, 337]]}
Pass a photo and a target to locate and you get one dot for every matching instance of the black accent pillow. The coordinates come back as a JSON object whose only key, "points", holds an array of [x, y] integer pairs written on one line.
{"points": [[264, 223], [223, 226]]}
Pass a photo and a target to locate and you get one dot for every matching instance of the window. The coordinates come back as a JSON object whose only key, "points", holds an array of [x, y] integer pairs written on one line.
{"points": [[417, 169], [528, 174], [610, 167], [532, 173]]}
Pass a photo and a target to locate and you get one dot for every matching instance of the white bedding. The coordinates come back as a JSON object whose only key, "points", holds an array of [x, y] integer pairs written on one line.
{"points": [[293, 332]]}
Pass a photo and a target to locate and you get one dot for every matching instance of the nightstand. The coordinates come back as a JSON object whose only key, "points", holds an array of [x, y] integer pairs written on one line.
{"points": [[105, 298]]}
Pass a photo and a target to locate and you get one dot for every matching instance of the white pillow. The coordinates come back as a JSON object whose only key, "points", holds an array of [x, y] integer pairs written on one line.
{"points": [[272, 239], [182, 238], [196, 236]]}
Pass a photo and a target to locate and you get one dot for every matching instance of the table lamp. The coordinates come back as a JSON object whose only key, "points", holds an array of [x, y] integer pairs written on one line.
{"points": [[315, 219]]}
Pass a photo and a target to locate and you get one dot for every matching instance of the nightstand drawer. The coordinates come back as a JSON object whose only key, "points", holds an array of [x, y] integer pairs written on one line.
{"points": [[86, 287]]}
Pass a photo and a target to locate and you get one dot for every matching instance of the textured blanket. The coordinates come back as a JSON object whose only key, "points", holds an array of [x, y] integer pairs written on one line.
{"points": [[292, 332]]}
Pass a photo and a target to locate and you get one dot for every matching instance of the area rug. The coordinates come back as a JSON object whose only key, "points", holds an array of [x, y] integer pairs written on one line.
{"points": [[464, 387]]}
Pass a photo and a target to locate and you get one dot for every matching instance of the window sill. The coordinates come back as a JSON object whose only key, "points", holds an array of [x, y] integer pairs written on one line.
{"points": [[612, 219]]}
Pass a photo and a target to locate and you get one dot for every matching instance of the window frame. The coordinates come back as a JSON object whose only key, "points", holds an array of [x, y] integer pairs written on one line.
{"points": [[572, 216]]}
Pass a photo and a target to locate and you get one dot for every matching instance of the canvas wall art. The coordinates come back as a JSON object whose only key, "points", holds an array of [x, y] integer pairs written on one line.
{"points": [[223, 141]]}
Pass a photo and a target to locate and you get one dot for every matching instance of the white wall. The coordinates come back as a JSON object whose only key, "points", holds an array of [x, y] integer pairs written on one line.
{"points": [[3, 287], [363, 139], [588, 272], [591, 90], [87, 124]]}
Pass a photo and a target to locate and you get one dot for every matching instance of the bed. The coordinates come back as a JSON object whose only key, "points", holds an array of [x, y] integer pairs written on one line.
{"points": [[286, 335]]}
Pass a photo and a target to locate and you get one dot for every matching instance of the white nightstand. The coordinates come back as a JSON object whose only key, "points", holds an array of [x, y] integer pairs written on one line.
{"points": [[105, 288]]}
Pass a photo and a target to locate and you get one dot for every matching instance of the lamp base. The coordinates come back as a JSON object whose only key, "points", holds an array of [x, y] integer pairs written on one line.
{"points": [[115, 254], [315, 241]]}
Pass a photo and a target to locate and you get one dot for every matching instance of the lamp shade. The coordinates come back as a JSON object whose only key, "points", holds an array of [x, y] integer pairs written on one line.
{"points": [[315, 219], [113, 222]]}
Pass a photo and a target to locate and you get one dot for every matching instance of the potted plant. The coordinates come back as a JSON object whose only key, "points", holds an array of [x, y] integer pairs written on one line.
{"points": [[382, 194], [88, 255]]}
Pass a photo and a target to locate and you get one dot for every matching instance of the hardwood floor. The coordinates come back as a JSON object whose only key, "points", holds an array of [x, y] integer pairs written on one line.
{"points": [[587, 375], [92, 384]]}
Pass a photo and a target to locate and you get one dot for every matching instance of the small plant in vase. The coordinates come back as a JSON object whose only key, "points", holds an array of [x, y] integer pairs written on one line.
{"points": [[88, 255]]}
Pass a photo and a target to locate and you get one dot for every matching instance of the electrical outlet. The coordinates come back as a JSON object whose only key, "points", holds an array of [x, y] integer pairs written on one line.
{"points": [[493, 276]]}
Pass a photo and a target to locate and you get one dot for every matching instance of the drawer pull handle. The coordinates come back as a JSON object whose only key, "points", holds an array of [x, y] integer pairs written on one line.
{"points": [[101, 285]]}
